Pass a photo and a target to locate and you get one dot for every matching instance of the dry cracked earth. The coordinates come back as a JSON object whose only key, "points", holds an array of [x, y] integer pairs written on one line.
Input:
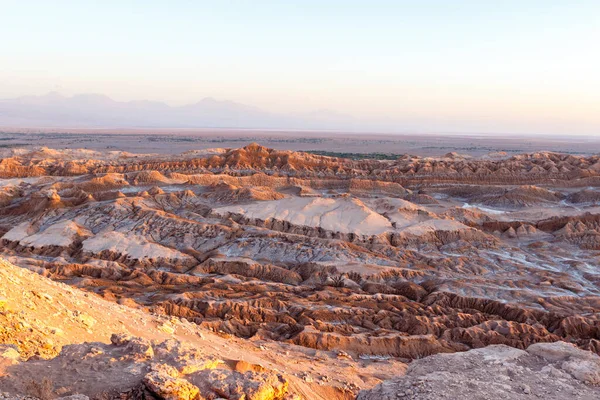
{"points": [[305, 276]]}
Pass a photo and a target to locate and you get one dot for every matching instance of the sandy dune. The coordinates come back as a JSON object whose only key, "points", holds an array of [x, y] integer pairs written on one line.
{"points": [[340, 214]]}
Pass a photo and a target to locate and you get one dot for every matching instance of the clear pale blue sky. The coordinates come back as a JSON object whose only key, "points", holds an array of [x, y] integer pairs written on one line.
{"points": [[445, 65]]}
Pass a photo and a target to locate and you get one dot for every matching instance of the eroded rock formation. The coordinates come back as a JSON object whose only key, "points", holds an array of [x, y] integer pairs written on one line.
{"points": [[404, 258]]}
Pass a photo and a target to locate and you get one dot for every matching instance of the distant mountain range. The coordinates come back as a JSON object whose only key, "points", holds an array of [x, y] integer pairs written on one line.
{"points": [[99, 111]]}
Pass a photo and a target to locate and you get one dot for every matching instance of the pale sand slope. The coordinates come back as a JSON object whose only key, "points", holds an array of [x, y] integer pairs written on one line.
{"points": [[59, 234], [434, 225], [401, 212], [134, 246], [63, 234], [341, 214], [346, 214]]}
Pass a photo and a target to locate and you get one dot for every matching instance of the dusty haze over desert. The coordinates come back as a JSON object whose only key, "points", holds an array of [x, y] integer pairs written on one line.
{"points": [[316, 200]]}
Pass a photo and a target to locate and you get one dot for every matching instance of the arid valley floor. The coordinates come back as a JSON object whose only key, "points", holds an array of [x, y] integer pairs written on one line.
{"points": [[248, 272]]}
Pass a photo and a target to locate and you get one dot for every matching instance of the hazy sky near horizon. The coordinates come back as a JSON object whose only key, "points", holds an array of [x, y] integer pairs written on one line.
{"points": [[463, 65]]}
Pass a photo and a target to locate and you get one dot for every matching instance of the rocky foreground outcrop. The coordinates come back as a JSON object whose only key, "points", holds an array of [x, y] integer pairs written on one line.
{"points": [[56, 341], [552, 371], [133, 368]]}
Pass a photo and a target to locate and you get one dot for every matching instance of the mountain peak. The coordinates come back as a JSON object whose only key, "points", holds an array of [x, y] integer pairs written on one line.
{"points": [[53, 95], [93, 97], [97, 110]]}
